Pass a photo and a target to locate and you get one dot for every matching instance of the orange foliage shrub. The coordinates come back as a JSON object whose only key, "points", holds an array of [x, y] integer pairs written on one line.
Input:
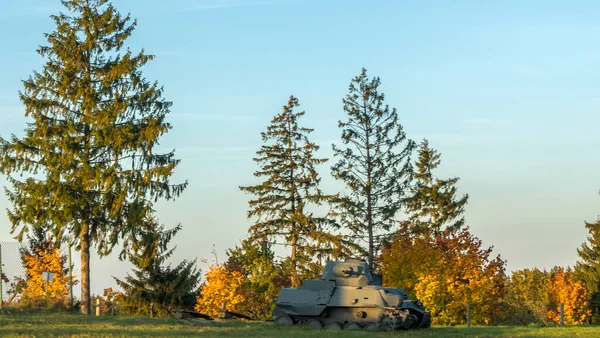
{"points": [[110, 298], [48, 260], [565, 289], [221, 286]]}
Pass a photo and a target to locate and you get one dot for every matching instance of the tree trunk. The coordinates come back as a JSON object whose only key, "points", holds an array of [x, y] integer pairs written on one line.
{"points": [[295, 282], [85, 270], [371, 242], [368, 189]]}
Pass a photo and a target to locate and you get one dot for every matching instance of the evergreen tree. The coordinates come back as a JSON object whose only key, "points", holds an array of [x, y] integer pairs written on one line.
{"points": [[38, 240], [374, 165], [153, 282], [434, 202], [291, 186], [87, 156], [588, 267]]}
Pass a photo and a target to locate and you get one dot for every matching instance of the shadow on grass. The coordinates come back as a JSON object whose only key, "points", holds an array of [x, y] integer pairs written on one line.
{"points": [[73, 324]]}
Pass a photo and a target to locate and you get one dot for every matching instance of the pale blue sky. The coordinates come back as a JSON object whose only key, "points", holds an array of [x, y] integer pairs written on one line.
{"points": [[508, 92]]}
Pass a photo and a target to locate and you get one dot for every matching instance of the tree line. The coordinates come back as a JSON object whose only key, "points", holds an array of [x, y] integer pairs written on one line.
{"points": [[87, 172]]}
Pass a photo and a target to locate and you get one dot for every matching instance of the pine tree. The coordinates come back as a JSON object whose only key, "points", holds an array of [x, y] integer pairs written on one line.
{"points": [[588, 267], [434, 203], [85, 165], [153, 282], [375, 163], [291, 187], [38, 240]]}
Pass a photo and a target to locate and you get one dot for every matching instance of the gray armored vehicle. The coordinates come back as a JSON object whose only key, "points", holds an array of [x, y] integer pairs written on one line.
{"points": [[348, 297]]}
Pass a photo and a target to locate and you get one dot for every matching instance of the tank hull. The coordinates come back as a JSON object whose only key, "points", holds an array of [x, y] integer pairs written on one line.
{"points": [[348, 297], [356, 318]]}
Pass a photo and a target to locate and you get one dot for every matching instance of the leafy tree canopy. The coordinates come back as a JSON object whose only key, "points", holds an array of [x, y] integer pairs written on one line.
{"points": [[43, 256], [263, 277], [445, 271]]}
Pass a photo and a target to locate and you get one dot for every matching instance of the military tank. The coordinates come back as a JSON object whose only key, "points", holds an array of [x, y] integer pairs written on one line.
{"points": [[349, 297]]}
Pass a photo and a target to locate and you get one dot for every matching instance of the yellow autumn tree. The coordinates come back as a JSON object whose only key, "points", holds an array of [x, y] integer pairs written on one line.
{"points": [[565, 289], [445, 271], [526, 300], [220, 286], [45, 260], [408, 260], [263, 277], [432, 291]]}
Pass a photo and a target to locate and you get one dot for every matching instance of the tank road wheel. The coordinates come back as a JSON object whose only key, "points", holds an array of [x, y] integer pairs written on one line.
{"points": [[425, 321], [284, 320], [411, 321], [334, 326], [373, 327], [314, 324], [353, 326]]}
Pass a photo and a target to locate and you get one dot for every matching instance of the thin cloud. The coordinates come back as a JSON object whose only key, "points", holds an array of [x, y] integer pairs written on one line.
{"points": [[40, 10], [11, 112], [527, 70], [454, 139], [44, 10], [170, 53], [328, 142], [211, 117], [320, 122], [551, 71], [228, 4], [218, 152], [19, 53], [487, 122], [203, 150], [595, 101]]}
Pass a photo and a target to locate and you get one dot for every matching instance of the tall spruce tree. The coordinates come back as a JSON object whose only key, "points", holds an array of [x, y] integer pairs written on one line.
{"points": [[85, 165], [374, 163], [587, 268], [290, 187], [434, 202]]}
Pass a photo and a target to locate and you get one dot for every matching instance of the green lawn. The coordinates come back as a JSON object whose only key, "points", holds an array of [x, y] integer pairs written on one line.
{"points": [[69, 325]]}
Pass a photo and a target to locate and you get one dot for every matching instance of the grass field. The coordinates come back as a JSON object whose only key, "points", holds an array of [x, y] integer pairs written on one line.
{"points": [[75, 325]]}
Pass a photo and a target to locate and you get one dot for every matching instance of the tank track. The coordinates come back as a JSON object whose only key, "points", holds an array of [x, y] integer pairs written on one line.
{"points": [[337, 319]]}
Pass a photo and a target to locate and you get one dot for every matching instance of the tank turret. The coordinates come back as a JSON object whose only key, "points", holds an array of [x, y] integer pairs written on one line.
{"points": [[351, 272], [349, 296]]}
